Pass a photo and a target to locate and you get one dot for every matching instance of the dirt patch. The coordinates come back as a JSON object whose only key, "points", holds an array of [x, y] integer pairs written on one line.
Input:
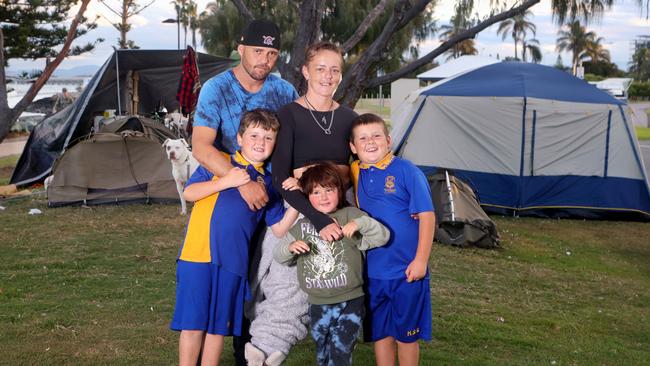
{"points": [[6, 171]]}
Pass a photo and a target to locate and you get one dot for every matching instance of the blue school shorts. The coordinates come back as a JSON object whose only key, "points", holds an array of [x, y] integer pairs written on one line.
{"points": [[209, 299], [398, 309]]}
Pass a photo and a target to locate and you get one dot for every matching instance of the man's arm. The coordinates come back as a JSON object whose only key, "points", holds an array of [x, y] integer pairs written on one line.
{"points": [[212, 159], [204, 151]]}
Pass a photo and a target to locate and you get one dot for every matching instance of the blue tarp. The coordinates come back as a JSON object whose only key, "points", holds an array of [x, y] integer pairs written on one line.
{"points": [[520, 79], [586, 196]]}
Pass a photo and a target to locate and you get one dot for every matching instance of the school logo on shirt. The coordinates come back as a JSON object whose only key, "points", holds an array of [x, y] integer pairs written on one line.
{"points": [[260, 179], [389, 186]]}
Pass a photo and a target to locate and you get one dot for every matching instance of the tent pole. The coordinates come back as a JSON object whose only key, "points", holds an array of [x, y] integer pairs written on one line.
{"points": [[451, 196], [117, 71]]}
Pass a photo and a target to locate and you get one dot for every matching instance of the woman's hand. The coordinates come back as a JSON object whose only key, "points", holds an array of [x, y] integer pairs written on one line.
{"points": [[298, 247], [331, 232], [290, 184], [236, 177]]}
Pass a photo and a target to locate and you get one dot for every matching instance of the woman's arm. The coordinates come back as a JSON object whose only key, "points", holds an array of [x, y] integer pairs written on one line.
{"points": [[282, 162]]}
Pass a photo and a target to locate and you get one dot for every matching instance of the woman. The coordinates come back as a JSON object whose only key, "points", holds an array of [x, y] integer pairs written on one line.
{"points": [[314, 128]]}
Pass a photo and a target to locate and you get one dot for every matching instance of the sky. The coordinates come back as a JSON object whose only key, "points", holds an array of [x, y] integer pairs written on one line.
{"points": [[619, 26]]}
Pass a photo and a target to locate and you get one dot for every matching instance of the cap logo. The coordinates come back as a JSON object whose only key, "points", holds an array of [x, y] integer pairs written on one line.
{"points": [[268, 40]]}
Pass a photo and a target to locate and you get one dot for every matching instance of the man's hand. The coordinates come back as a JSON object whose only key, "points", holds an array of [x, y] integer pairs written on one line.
{"points": [[331, 232], [254, 194], [416, 270], [298, 247]]}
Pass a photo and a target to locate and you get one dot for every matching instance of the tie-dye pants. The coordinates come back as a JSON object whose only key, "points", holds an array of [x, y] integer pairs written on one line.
{"points": [[335, 329]]}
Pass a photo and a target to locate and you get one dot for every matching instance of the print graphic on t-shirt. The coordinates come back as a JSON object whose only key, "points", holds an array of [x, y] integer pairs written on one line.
{"points": [[323, 266]]}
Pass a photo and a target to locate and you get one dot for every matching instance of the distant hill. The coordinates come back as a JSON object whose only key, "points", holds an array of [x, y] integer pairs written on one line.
{"points": [[83, 70]]}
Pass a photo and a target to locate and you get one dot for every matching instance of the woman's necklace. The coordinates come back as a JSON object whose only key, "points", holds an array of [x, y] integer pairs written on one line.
{"points": [[328, 129]]}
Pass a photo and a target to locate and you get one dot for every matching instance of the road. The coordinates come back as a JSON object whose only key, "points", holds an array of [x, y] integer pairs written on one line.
{"points": [[639, 117], [12, 146], [645, 152]]}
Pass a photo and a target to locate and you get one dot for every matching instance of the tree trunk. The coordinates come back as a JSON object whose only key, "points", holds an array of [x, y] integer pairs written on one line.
{"points": [[356, 77], [308, 32], [8, 116], [124, 25]]}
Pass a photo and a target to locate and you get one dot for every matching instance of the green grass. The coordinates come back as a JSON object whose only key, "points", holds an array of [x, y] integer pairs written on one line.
{"points": [[7, 164], [642, 133], [95, 286]]}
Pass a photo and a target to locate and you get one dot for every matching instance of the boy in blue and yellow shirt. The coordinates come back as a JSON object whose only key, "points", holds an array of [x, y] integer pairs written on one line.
{"points": [[396, 193], [212, 267]]}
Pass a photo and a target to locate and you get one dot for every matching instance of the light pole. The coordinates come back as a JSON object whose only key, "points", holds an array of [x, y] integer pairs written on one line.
{"points": [[178, 29]]}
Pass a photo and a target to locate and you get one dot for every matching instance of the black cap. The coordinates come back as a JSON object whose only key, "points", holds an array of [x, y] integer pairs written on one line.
{"points": [[261, 33]]}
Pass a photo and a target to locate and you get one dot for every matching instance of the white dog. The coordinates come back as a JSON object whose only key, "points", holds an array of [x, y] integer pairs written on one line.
{"points": [[183, 165]]}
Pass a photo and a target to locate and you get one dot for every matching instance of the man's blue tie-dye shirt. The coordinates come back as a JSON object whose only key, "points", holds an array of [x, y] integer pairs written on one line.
{"points": [[223, 101]]}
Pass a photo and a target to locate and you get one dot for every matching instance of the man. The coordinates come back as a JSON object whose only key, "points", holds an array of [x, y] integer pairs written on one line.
{"points": [[225, 98], [62, 100]]}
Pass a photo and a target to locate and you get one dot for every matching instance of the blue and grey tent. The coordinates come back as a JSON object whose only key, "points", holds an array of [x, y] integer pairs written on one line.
{"points": [[530, 139]]}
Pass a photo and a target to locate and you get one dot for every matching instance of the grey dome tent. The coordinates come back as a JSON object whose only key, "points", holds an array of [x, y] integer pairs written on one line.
{"points": [[123, 163], [530, 140], [147, 79]]}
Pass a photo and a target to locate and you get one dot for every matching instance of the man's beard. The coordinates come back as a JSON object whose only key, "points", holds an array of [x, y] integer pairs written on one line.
{"points": [[256, 76]]}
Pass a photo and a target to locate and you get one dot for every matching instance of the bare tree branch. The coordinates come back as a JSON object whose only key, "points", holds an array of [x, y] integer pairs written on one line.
{"points": [[8, 118], [111, 9], [142, 8], [374, 14], [243, 10], [354, 81], [469, 33]]}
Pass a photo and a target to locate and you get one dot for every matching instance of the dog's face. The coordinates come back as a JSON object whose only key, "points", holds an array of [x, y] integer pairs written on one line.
{"points": [[177, 150]]}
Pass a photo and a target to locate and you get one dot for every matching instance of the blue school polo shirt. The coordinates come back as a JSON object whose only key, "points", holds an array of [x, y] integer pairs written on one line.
{"points": [[390, 191], [221, 225], [223, 101]]}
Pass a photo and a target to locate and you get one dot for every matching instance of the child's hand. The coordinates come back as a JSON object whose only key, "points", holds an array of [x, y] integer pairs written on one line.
{"points": [[290, 184], [416, 270], [350, 228], [236, 177], [298, 247]]}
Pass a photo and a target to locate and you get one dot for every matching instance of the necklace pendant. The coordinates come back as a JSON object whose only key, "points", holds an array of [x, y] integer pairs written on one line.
{"points": [[327, 131]]}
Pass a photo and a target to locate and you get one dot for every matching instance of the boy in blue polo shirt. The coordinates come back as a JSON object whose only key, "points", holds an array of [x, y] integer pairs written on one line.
{"points": [[212, 267], [396, 193]]}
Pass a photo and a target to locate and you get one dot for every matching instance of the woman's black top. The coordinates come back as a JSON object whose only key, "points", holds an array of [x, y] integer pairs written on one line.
{"points": [[302, 141]]}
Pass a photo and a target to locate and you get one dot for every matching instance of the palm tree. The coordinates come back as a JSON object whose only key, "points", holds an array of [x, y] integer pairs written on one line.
{"points": [[597, 52], [459, 22], [577, 40], [191, 12], [640, 64], [181, 16], [531, 47], [517, 27]]}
